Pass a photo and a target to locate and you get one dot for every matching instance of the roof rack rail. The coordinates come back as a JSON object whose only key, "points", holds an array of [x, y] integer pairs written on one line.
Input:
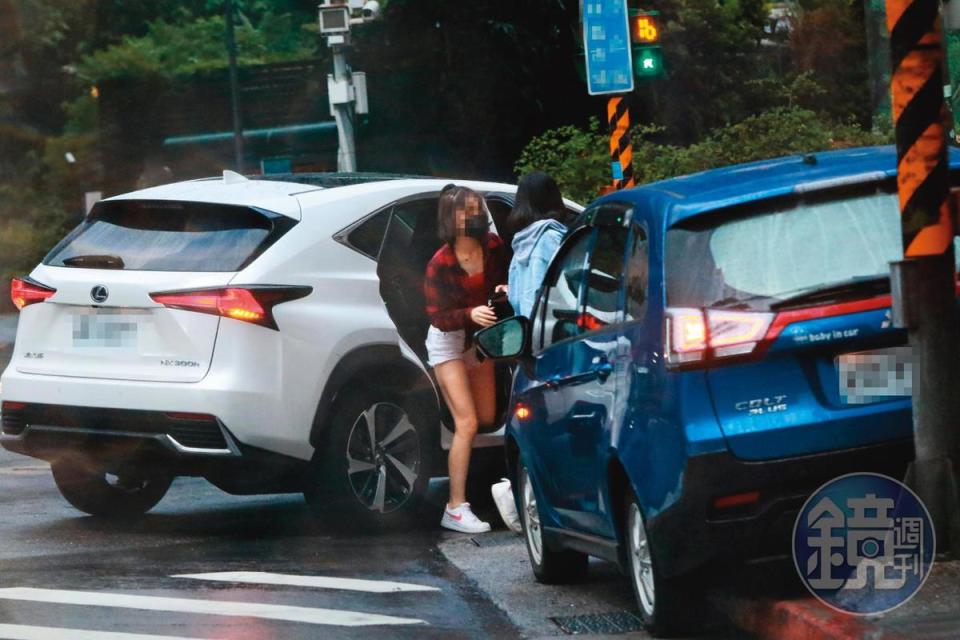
{"points": [[330, 180]]}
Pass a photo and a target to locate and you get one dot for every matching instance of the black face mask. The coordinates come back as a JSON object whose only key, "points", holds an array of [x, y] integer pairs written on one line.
{"points": [[476, 227]]}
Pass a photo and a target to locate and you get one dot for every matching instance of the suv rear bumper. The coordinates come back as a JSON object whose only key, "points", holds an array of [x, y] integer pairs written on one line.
{"points": [[45, 430], [247, 399], [694, 532], [160, 442]]}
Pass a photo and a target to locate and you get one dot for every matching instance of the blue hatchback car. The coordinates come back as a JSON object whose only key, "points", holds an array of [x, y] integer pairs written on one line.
{"points": [[704, 353]]}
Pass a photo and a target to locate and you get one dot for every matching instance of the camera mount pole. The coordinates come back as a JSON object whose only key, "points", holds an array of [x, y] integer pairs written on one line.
{"points": [[343, 112]]}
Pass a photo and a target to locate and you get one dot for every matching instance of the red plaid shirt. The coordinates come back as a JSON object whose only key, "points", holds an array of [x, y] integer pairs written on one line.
{"points": [[448, 300]]}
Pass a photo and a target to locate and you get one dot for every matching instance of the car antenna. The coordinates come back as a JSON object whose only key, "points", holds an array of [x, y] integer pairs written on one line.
{"points": [[232, 177]]}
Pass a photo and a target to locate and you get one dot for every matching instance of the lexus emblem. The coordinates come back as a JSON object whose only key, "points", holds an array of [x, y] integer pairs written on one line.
{"points": [[99, 293]]}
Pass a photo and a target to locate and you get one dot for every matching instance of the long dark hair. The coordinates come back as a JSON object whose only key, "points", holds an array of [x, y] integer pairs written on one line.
{"points": [[538, 198]]}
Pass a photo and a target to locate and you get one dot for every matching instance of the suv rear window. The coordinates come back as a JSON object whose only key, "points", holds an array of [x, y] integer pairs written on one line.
{"points": [[145, 235], [779, 253]]}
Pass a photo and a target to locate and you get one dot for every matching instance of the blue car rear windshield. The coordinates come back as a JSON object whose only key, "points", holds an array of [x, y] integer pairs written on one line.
{"points": [[149, 235], [756, 260]]}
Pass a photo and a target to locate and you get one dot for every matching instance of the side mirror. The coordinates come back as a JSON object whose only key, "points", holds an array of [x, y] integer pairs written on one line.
{"points": [[505, 340]]}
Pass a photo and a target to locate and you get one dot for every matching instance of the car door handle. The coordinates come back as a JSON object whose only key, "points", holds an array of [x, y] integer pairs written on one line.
{"points": [[600, 371]]}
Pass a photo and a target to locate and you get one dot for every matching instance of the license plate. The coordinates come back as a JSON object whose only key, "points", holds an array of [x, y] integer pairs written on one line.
{"points": [[871, 376], [110, 330]]}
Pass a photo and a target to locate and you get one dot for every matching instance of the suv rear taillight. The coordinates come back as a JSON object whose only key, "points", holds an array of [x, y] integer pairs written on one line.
{"points": [[700, 335], [249, 304], [24, 291]]}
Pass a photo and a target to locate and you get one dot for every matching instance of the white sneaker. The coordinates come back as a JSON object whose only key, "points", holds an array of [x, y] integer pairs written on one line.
{"points": [[503, 498], [462, 519]]}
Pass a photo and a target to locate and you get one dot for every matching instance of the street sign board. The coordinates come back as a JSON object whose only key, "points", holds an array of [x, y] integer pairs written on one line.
{"points": [[606, 43]]}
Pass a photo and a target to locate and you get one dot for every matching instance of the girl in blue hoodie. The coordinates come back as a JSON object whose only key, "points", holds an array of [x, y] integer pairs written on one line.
{"points": [[538, 223]]}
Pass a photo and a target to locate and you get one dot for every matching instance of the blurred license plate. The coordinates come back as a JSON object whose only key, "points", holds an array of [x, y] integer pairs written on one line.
{"points": [[869, 376], [105, 329]]}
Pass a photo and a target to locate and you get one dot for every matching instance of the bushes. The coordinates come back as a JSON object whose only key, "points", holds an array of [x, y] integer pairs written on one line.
{"points": [[579, 158]]}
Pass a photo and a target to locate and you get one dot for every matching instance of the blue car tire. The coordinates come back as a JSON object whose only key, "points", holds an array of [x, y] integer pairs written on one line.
{"points": [[668, 607], [549, 566]]}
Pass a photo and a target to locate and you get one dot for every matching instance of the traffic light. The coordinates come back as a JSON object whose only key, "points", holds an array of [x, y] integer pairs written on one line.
{"points": [[645, 39], [648, 62], [645, 28]]}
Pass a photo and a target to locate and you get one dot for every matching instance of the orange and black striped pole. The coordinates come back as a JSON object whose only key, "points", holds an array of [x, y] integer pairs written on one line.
{"points": [[919, 111], [621, 148], [924, 281]]}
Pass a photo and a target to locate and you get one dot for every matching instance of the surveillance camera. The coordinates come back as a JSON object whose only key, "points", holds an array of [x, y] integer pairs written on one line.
{"points": [[371, 9], [334, 20]]}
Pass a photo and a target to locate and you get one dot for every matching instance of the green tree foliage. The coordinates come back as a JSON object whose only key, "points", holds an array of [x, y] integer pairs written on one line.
{"points": [[53, 50], [170, 49], [828, 41], [712, 51], [727, 61], [467, 82], [579, 160]]}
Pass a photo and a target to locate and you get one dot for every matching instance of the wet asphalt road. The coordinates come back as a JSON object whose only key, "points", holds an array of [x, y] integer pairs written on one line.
{"points": [[58, 554]]}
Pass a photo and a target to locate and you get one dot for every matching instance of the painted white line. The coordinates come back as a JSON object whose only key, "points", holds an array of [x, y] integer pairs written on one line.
{"points": [[306, 615], [23, 632], [319, 582]]}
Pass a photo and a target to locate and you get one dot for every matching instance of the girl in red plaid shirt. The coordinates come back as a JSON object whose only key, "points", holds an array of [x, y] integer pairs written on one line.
{"points": [[461, 278]]}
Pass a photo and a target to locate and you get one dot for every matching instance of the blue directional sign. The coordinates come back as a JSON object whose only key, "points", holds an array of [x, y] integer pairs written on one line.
{"points": [[606, 45]]}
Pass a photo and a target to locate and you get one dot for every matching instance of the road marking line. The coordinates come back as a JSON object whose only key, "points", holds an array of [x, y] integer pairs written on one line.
{"points": [[320, 582], [307, 615], [25, 470], [24, 632]]}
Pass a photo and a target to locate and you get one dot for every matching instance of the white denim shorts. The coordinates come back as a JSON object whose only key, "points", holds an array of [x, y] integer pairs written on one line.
{"points": [[444, 346]]}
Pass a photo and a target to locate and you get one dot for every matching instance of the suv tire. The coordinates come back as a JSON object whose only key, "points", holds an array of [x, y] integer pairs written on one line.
{"points": [[549, 566], [376, 460], [90, 488]]}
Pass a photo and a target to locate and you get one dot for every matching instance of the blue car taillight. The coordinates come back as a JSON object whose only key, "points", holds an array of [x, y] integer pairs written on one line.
{"points": [[696, 336]]}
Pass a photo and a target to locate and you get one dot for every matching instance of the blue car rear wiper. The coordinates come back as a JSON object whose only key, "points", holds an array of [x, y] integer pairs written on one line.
{"points": [[873, 285]]}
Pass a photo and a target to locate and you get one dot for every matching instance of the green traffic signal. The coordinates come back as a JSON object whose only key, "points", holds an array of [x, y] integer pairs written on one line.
{"points": [[647, 62]]}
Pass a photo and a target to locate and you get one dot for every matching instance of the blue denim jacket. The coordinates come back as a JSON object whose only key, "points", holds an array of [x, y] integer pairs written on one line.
{"points": [[533, 248]]}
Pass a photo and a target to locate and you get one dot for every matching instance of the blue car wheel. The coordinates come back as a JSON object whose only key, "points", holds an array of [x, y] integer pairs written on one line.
{"points": [[549, 566], [667, 606]]}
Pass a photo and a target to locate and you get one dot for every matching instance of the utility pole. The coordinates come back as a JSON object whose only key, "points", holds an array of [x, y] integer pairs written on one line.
{"points": [[229, 15], [924, 282]]}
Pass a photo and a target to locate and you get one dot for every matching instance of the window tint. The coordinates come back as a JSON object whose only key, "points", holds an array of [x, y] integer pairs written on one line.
{"points": [[606, 279], [638, 275], [560, 308], [142, 235], [367, 237]]}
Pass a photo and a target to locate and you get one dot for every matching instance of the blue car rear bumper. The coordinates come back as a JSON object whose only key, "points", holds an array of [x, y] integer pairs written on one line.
{"points": [[692, 532]]}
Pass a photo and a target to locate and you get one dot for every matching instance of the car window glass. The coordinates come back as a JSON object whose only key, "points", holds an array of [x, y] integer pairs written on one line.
{"points": [[606, 279], [560, 308], [367, 237], [147, 235], [638, 275]]}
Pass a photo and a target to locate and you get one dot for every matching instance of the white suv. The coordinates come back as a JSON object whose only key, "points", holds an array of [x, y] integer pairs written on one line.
{"points": [[245, 331]]}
